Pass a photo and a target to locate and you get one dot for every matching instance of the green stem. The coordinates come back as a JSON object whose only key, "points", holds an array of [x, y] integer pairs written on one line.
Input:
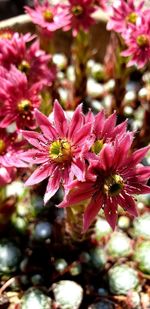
{"points": [[80, 56]]}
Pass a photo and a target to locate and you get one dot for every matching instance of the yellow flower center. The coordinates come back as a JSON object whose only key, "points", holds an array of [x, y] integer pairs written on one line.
{"points": [[24, 66], [97, 146], [24, 106], [142, 40], [77, 10], [2, 146], [132, 17], [60, 151], [48, 16], [113, 185], [5, 35]]}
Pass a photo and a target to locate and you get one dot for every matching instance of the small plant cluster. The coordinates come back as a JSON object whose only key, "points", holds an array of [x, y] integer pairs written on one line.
{"points": [[75, 133]]}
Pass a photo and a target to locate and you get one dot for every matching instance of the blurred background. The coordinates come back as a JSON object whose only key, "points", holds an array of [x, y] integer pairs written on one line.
{"points": [[10, 8]]}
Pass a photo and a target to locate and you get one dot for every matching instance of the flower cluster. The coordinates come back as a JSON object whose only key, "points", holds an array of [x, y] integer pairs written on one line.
{"points": [[25, 70], [90, 156], [74, 14], [133, 23]]}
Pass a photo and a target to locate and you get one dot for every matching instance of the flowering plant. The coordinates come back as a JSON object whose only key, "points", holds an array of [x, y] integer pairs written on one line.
{"points": [[64, 127], [89, 156]]}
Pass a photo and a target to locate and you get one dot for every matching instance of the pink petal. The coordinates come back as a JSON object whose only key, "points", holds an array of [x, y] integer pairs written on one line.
{"points": [[82, 192], [45, 125], [82, 134], [39, 175], [122, 147], [76, 122], [53, 185], [34, 138], [110, 210], [138, 155], [92, 211], [128, 203], [60, 119], [34, 157], [78, 169], [109, 124], [7, 121], [106, 157], [99, 123]]}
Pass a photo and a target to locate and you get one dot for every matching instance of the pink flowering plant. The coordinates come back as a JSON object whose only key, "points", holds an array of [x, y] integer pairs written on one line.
{"points": [[94, 158], [75, 137]]}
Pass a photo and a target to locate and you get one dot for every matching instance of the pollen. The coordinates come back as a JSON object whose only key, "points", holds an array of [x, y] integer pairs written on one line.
{"points": [[113, 185], [143, 40], [60, 151], [132, 17], [77, 10], [97, 146], [24, 66], [48, 16], [2, 146], [24, 106]]}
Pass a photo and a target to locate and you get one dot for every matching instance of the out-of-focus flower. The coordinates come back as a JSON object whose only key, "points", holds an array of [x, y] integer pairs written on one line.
{"points": [[10, 150], [48, 17], [59, 150], [111, 181], [124, 13], [138, 43], [79, 13], [6, 175], [31, 60], [18, 99], [105, 131]]}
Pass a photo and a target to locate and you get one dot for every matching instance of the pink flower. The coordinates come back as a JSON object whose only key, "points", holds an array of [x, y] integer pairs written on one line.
{"points": [[32, 61], [79, 13], [138, 42], [18, 99], [124, 13], [59, 150], [10, 150], [104, 131], [6, 175], [48, 17], [13, 47], [111, 181]]}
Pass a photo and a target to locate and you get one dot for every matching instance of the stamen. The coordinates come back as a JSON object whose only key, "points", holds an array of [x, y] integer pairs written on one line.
{"points": [[113, 185], [60, 151], [24, 106], [97, 146], [132, 17], [2, 146], [77, 10], [48, 16], [143, 40], [24, 66]]}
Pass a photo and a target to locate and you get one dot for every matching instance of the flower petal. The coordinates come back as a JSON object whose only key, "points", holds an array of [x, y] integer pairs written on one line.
{"points": [[110, 210], [45, 125], [39, 175], [92, 211], [60, 119], [76, 122], [53, 185], [83, 191], [128, 203]]}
